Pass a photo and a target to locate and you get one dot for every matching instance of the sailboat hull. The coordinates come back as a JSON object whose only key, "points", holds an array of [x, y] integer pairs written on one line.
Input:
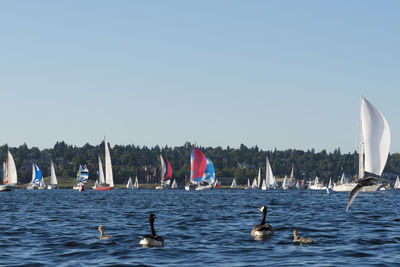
{"points": [[6, 187], [106, 188]]}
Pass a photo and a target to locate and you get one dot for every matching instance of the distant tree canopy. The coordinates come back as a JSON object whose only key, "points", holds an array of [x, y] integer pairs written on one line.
{"points": [[241, 163]]}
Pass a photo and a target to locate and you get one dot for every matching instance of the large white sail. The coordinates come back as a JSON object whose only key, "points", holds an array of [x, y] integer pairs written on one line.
{"points": [[136, 185], [269, 176], [12, 170], [109, 172], [102, 180], [53, 179], [376, 138]]}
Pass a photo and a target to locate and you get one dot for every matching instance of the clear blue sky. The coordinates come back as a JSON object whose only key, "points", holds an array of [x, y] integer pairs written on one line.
{"points": [[284, 74]]}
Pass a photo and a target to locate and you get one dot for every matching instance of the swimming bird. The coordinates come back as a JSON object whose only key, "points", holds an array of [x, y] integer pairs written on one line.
{"points": [[102, 236], [301, 240], [360, 184], [262, 230], [152, 240]]}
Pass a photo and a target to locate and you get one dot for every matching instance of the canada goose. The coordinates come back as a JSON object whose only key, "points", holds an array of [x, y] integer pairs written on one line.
{"points": [[301, 240], [102, 236], [262, 230], [152, 240]]}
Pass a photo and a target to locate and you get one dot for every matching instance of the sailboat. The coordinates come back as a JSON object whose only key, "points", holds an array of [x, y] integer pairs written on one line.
{"points": [[202, 172], [292, 180], [374, 149], [317, 185], [397, 183], [285, 184], [269, 176], [37, 178], [10, 178], [264, 185], [330, 186], [53, 179], [166, 173], [259, 178], [129, 185], [108, 183], [174, 185], [343, 185], [254, 184], [81, 177], [234, 185], [136, 184]]}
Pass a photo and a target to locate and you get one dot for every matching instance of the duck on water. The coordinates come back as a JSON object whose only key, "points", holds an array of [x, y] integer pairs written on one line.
{"points": [[152, 240], [262, 230], [301, 240], [102, 235]]}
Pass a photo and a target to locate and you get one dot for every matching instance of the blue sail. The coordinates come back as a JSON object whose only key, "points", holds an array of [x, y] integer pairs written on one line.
{"points": [[38, 175], [209, 174], [82, 175]]}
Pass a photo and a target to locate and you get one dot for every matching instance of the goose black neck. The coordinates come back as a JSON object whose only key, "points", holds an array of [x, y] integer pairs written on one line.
{"points": [[263, 217], [153, 232]]}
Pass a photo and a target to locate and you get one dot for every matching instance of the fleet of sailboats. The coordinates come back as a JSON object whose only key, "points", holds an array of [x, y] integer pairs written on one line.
{"points": [[373, 151]]}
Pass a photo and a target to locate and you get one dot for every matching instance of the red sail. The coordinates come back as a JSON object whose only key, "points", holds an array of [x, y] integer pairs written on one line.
{"points": [[168, 175], [198, 165]]}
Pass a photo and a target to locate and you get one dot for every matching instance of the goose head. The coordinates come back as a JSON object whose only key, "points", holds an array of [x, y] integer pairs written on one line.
{"points": [[263, 208]]}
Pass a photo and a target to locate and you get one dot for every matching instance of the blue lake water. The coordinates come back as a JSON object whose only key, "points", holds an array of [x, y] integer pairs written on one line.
{"points": [[200, 228]]}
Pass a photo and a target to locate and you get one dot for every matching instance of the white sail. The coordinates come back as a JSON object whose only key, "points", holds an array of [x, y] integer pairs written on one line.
{"points": [[12, 170], [330, 183], [33, 173], [376, 138], [254, 184], [102, 180], [259, 178], [136, 185], [342, 179], [269, 176], [291, 178], [248, 183], [234, 185], [174, 185], [129, 184], [42, 183], [264, 185], [163, 167], [53, 179], [285, 184], [397, 183], [109, 172]]}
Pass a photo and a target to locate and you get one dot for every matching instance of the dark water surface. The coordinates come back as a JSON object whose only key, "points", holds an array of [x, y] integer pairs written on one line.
{"points": [[206, 228]]}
